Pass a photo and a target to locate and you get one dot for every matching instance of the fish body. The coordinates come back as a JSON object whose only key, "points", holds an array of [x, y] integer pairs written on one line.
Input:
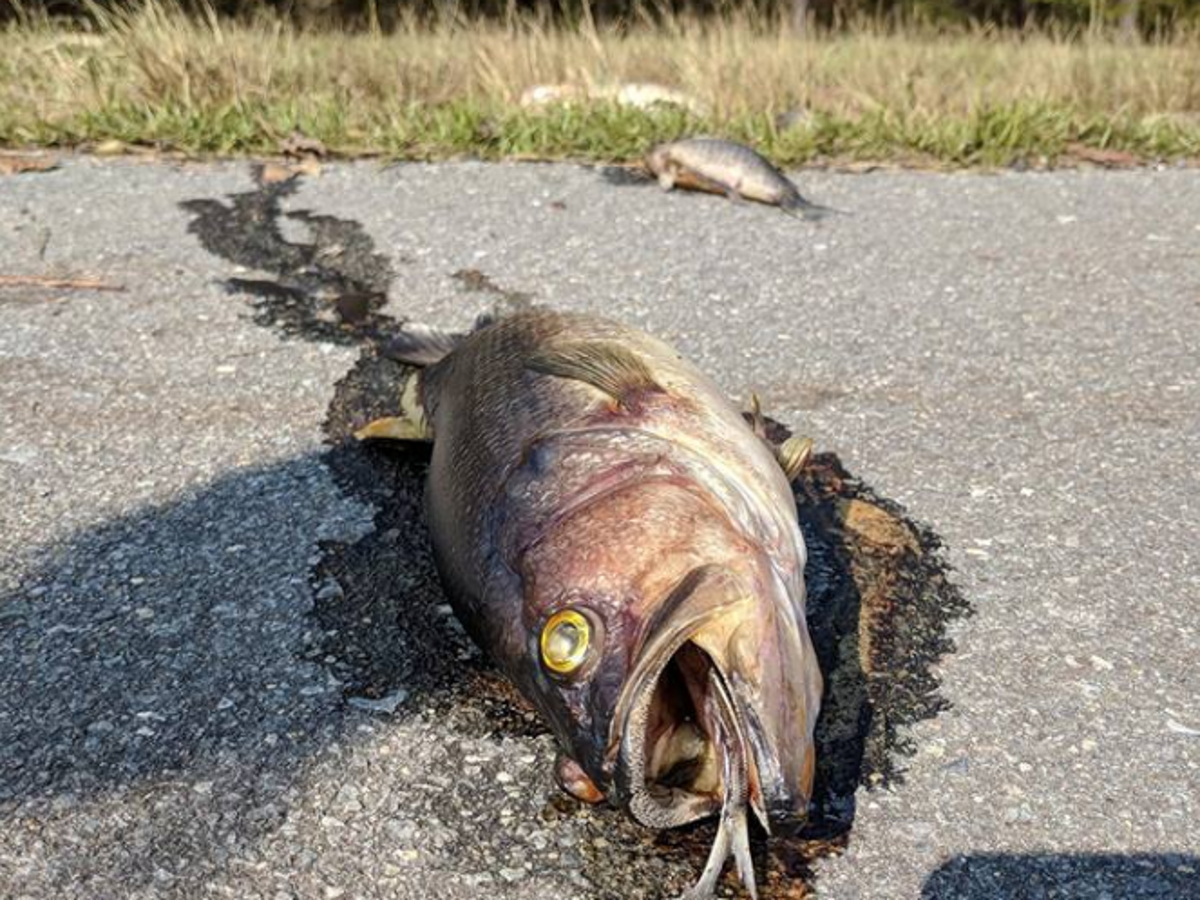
{"points": [[625, 547], [725, 167]]}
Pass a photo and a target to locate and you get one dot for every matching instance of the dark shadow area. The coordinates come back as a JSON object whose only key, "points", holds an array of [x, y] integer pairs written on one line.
{"points": [[1066, 876], [330, 289], [161, 649], [625, 176]]}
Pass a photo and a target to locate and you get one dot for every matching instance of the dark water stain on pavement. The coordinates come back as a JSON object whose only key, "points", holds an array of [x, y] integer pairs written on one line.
{"points": [[879, 596], [329, 289]]}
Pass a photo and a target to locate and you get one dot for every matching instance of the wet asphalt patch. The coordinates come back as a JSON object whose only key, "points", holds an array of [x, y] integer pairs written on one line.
{"points": [[879, 595], [330, 289]]}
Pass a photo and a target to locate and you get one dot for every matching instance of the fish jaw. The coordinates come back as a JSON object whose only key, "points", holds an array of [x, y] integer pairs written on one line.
{"points": [[718, 630]]}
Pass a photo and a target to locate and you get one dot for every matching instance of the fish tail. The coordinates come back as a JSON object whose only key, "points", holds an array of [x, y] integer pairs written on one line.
{"points": [[422, 345]]}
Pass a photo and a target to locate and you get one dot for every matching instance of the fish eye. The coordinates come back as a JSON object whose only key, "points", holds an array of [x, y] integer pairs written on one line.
{"points": [[566, 639]]}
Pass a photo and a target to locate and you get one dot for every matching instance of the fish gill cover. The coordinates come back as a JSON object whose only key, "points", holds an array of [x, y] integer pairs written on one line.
{"points": [[879, 596]]}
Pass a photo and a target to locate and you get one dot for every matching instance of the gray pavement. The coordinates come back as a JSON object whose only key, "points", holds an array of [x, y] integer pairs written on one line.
{"points": [[1015, 358]]}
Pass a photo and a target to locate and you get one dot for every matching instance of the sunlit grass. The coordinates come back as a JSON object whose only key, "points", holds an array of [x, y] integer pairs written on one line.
{"points": [[426, 91]]}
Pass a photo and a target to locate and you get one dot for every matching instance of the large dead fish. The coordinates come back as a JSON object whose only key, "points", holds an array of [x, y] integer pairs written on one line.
{"points": [[625, 546], [724, 167]]}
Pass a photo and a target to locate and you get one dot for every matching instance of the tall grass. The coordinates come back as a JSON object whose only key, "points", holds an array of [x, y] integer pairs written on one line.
{"points": [[427, 89]]}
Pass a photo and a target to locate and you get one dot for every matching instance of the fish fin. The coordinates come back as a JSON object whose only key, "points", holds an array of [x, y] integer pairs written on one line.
{"points": [[757, 422], [410, 425], [793, 455], [691, 179], [391, 428], [574, 781], [606, 366], [421, 345]]}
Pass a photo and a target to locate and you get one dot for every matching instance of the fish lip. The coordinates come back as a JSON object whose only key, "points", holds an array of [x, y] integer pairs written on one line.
{"points": [[779, 801], [700, 597], [771, 798]]}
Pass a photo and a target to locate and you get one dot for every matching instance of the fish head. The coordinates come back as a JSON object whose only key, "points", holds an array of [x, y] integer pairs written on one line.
{"points": [[724, 676], [658, 158], [654, 700]]}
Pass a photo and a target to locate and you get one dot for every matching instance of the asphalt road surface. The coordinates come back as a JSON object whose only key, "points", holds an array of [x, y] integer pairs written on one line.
{"points": [[1013, 358]]}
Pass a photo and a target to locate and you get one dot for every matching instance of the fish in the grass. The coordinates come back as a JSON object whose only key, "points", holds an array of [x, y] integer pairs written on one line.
{"points": [[624, 544], [724, 167]]}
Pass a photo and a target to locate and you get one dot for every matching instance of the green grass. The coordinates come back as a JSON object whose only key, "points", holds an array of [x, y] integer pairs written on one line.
{"points": [[207, 87], [1033, 133]]}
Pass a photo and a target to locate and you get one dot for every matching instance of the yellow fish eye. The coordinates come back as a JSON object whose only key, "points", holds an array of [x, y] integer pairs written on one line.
{"points": [[565, 641]]}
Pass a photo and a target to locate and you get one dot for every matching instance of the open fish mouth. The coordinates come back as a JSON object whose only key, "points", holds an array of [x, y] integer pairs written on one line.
{"points": [[684, 757]]}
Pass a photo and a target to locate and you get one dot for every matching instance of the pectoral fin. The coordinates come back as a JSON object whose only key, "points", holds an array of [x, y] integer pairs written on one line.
{"points": [[692, 180], [410, 425], [421, 345], [757, 422], [574, 781], [391, 428], [793, 455]]}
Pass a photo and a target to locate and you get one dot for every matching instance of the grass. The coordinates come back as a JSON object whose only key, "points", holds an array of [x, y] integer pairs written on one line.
{"points": [[205, 86]]}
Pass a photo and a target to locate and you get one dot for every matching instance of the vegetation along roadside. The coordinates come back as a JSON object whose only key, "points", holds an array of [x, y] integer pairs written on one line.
{"points": [[525, 86]]}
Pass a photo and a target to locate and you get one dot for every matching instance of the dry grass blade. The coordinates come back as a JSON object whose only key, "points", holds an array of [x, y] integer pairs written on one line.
{"points": [[50, 281]]}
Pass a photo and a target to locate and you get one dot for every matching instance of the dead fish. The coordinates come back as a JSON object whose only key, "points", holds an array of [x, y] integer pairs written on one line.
{"points": [[636, 94], [624, 545], [724, 167]]}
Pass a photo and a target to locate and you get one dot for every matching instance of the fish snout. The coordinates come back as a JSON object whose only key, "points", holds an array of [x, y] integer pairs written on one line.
{"points": [[772, 674], [722, 643]]}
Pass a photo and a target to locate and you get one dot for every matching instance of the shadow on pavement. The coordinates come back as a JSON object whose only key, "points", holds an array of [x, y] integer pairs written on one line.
{"points": [[1066, 876]]}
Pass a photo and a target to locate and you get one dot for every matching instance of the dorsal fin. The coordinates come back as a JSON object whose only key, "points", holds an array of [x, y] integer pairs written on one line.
{"points": [[608, 367], [793, 455]]}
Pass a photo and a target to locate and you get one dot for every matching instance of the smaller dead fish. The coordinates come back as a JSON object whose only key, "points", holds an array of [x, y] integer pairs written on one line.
{"points": [[635, 94], [724, 167]]}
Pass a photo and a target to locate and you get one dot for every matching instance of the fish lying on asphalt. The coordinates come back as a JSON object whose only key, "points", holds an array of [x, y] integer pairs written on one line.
{"points": [[625, 546], [724, 167]]}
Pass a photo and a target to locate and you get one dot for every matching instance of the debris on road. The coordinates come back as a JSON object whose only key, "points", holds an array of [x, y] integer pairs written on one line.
{"points": [[59, 283], [276, 173], [1180, 728], [19, 165], [1108, 159], [111, 147], [300, 145]]}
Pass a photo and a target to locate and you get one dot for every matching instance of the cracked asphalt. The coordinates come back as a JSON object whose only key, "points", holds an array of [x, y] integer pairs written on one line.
{"points": [[1014, 358]]}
